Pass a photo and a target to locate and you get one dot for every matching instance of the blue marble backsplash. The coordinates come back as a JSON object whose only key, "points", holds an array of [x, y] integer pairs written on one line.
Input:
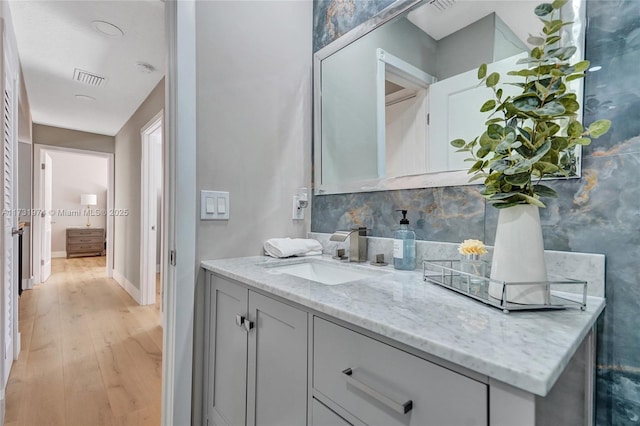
{"points": [[599, 213]]}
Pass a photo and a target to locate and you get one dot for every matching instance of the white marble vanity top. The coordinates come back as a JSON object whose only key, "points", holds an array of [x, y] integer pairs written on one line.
{"points": [[528, 350]]}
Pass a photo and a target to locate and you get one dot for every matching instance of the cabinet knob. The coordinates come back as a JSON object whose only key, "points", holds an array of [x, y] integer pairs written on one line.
{"points": [[248, 325], [240, 320]]}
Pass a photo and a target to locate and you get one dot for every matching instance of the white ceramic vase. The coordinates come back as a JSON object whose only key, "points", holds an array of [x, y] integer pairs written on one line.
{"points": [[518, 256]]}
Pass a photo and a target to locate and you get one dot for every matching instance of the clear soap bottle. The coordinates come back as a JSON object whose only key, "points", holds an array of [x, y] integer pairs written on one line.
{"points": [[404, 245]]}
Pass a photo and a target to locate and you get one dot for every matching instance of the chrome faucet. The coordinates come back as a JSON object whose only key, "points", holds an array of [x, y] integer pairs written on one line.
{"points": [[357, 243]]}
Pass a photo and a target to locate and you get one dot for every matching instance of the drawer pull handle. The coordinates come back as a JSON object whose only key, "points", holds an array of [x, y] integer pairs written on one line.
{"points": [[398, 407], [248, 325], [240, 320]]}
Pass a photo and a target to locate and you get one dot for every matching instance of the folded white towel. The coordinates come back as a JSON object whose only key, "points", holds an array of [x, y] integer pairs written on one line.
{"points": [[285, 247]]}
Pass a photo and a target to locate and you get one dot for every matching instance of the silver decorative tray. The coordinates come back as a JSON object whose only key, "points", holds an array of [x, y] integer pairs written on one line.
{"points": [[561, 293]]}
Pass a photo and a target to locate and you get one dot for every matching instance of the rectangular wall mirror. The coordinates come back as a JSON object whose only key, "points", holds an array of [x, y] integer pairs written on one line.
{"points": [[392, 93]]}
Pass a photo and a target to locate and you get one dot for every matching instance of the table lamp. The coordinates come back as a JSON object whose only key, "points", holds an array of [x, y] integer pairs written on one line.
{"points": [[88, 200]]}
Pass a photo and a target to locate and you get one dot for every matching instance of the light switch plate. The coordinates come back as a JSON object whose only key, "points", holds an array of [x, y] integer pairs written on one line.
{"points": [[219, 200]]}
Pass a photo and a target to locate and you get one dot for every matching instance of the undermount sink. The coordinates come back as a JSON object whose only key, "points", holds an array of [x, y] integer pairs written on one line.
{"points": [[324, 273]]}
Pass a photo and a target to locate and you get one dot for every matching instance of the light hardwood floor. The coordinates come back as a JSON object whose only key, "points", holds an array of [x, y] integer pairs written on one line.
{"points": [[90, 354]]}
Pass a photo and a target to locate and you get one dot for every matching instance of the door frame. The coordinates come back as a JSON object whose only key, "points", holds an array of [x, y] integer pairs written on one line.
{"points": [[36, 247], [180, 207], [147, 253]]}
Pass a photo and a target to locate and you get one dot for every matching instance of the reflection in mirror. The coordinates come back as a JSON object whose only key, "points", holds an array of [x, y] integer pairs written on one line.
{"points": [[388, 103]]}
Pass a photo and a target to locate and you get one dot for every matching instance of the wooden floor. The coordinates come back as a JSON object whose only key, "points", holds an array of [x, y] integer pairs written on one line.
{"points": [[90, 354]]}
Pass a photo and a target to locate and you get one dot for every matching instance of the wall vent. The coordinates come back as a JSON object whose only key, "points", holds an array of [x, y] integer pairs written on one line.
{"points": [[442, 5], [89, 78]]}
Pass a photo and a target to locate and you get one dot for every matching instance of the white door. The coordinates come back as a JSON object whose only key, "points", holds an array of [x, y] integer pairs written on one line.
{"points": [[46, 217], [151, 208], [457, 100], [10, 222]]}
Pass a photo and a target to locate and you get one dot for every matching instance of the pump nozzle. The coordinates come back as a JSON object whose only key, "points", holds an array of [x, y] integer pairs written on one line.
{"points": [[404, 220]]}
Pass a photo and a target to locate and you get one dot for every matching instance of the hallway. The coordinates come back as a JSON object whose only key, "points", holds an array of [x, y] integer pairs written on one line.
{"points": [[90, 354]]}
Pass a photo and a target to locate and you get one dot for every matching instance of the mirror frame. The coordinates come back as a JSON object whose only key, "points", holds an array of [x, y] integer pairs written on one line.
{"points": [[575, 8]]}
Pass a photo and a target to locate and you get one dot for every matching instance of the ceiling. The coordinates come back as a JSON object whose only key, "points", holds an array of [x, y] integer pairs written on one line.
{"points": [[441, 18], [57, 37]]}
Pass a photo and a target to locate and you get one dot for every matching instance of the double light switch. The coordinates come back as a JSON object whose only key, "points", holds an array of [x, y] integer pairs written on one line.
{"points": [[214, 205]]}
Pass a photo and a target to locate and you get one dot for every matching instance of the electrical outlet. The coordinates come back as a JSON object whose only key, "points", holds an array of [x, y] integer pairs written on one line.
{"points": [[297, 212]]}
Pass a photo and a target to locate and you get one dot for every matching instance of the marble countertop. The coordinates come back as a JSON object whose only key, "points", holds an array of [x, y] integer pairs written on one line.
{"points": [[526, 349]]}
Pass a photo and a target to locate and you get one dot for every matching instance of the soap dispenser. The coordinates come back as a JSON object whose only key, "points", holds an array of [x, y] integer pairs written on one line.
{"points": [[404, 245]]}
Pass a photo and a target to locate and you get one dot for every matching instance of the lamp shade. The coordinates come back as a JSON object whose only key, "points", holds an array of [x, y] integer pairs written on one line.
{"points": [[88, 199]]}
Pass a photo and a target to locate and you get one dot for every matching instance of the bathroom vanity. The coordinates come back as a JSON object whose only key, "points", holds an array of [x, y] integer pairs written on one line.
{"points": [[294, 342]]}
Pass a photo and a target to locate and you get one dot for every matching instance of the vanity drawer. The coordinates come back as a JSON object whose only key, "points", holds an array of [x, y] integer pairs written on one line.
{"points": [[375, 382]]}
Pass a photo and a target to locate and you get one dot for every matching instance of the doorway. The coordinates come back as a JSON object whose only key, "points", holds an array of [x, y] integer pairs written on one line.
{"points": [[152, 135], [83, 175]]}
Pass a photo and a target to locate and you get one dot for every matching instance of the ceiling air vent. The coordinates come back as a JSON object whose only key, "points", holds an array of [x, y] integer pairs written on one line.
{"points": [[442, 5], [89, 78]]}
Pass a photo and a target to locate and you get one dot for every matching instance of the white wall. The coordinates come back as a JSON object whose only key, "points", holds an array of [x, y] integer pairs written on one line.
{"points": [[74, 174], [254, 62], [128, 163], [254, 119]]}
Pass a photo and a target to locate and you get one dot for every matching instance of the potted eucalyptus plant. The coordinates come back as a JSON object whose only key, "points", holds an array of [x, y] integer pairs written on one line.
{"points": [[528, 136]]}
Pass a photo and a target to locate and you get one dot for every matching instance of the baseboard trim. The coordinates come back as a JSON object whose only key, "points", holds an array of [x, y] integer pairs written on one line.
{"points": [[27, 283], [58, 254], [127, 286]]}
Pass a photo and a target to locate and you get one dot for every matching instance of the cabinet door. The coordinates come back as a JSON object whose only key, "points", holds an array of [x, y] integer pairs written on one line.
{"points": [[227, 388], [323, 416], [277, 369]]}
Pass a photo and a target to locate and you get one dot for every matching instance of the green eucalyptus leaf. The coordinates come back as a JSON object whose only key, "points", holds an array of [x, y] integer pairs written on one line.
{"points": [[495, 131], [527, 102], [544, 191], [575, 129], [483, 151], [541, 89], [557, 4], [570, 105], [598, 128], [581, 66], [493, 79], [550, 110], [583, 141], [563, 53], [535, 41], [518, 179], [532, 200], [553, 39], [559, 143], [507, 205], [546, 168], [458, 143], [493, 121], [499, 93], [499, 165], [574, 77], [482, 71], [543, 9], [477, 176], [537, 52], [477, 166], [488, 106]]}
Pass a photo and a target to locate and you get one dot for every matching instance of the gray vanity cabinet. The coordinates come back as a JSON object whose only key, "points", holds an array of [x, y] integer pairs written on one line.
{"points": [[257, 359], [321, 415], [384, 386]]}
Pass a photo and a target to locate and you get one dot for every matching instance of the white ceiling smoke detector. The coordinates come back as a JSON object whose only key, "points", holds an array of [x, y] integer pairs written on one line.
{"points": [[145, 67], [107, 29], [85, 98]]}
